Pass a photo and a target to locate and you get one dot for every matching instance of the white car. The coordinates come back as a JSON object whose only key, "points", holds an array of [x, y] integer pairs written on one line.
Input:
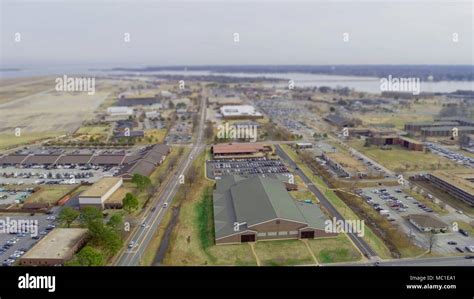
{"points": [[165, 205], [131, 244]]}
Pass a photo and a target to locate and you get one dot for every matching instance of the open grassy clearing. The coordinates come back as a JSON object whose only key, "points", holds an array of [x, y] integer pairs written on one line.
{"points": [[334, 250], [93, 130], [400, 159], [50, 194], [283, 253], [10, 140]]}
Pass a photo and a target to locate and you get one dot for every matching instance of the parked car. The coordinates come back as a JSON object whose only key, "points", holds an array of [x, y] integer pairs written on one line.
{"points": [[470, 248], [452, 243], [459, 249], [464, 233]]}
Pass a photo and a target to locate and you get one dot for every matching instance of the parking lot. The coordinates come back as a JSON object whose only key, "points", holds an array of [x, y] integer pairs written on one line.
{"points": [[451, 155], [8, 197], [14, 244], [220, 167], [394, 204], [59, 175]]}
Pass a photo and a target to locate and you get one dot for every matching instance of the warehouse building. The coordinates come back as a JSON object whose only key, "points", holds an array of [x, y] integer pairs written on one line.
{"points": [[345, 166], [145, 162], [446, 131], [239, 112], [427, 223], [239, 150], [459, 183], [260, 208], [408, 143], [99, 192], [56, 248]]}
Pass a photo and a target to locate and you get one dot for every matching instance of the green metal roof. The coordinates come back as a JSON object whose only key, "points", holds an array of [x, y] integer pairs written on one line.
{"points": [[255, 200]]}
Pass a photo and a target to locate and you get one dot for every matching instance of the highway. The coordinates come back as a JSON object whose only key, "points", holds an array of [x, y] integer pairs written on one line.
{"points": [[142, 235], [358, 241]]}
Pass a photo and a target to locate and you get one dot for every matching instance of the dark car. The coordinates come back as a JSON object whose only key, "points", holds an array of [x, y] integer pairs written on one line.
{"points": [[452, 243], [469, 257], [464, 233], [459, 249]]}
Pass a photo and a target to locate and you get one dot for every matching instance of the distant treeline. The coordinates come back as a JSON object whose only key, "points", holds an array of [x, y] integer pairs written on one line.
{"points": [[424, 72]]}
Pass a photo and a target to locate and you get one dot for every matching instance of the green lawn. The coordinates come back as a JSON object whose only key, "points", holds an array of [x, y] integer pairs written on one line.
{"points": [[10, 140], [334, 250], [283, 253], [400, 159]]}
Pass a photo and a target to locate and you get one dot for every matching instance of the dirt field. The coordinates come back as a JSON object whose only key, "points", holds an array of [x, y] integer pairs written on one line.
{"points": [[37, 107]]}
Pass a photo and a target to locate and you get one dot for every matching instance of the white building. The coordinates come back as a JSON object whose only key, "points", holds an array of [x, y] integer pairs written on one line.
{"points": [[99, 192], [239, 111], [120, 111]]}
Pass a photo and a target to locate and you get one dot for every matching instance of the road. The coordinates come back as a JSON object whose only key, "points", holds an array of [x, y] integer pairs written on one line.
{"points": [[358, 241], [415, 262], [142, 235]]}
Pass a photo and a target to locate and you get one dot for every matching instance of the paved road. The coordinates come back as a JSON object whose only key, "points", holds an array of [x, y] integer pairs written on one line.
{"points": [[152, 219], [415, 262], [358, 241]]}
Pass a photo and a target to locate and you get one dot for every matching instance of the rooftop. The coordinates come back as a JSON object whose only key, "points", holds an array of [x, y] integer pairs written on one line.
{"points": [[236, 148], [258, 199], [57, 244], [427, 221], [461, 179], [101, 187]]}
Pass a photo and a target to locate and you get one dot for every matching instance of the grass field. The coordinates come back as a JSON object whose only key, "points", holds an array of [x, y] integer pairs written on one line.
{"points": [[50, 194], [400, 159], [334, 250], [93, 130], [155, 135], [10, 140], [283, 253]]}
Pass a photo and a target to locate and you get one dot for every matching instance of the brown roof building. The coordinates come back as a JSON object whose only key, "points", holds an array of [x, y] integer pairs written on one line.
{"points": [[232, 150], [56, 248]]}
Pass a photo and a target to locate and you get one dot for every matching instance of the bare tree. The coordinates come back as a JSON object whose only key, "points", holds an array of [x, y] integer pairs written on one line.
{"points": [[431, 240]]}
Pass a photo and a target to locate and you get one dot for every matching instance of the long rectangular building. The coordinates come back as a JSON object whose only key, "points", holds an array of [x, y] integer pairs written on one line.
{"points": [[459, 184], [260, 208], [56, 248], [99, 192]]}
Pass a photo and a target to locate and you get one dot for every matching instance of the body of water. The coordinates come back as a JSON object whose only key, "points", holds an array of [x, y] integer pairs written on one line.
{"points": [[364, 84]]}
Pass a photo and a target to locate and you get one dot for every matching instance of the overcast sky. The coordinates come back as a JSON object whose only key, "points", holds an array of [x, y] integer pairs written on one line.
{"points": [[202, 32]]}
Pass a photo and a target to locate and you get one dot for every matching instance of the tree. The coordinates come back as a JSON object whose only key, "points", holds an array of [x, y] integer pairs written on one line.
{"points": [[89, 215], [111, 241], [115, 222], [431, 241], [191, 176], [141, 181], [67, 216], [89, 256], [130, 202]]}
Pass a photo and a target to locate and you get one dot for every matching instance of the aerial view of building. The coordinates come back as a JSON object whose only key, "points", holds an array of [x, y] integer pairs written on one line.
{"points": [[260, 208], [56, 248]]}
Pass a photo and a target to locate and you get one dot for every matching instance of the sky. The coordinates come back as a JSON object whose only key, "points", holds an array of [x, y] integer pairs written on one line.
{"points": [[199, 32]]}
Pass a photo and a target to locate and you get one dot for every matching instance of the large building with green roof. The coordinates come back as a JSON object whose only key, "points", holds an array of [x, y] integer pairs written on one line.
{"points": [[260, 208]]}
